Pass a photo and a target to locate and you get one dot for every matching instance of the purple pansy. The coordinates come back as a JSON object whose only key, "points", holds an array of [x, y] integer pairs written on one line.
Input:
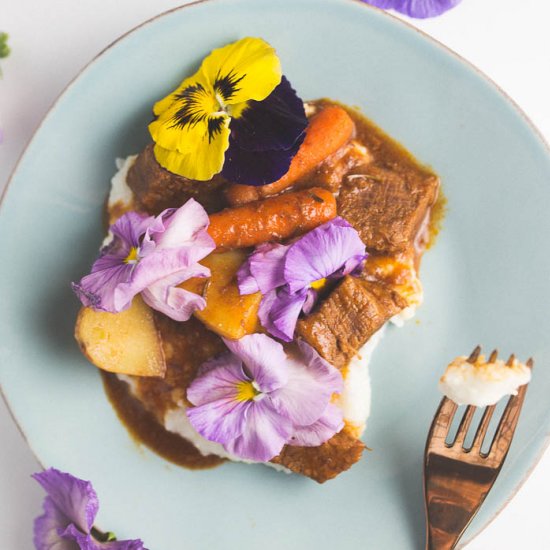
{"points": [[265, 137], [289, 276], [70, 508], [256, 398], [419, 9], [152, 256]]}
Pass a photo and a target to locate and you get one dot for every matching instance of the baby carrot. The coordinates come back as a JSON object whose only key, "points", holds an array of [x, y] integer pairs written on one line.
{"points": [[329, 130], [272, 219]]}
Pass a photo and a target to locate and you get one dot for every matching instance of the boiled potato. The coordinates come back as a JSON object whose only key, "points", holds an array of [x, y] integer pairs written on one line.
{"points": [[126, 343], [227, 312]]}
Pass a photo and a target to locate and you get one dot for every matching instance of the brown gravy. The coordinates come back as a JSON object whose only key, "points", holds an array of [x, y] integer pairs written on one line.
{"points": [[145, 429]]}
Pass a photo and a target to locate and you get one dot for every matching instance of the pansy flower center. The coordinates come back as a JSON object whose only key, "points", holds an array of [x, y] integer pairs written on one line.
{"points": [[133, 256], [248, 391], [198, 105], [318, 284]]}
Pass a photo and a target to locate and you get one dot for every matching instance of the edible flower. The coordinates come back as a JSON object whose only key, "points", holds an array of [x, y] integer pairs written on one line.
{"points": [[256, 398], [70, 508], [151, 255], [236, 115], [419, 9], [291, 276]]}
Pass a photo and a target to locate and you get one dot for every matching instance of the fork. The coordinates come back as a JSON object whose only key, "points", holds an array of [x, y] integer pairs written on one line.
{"points": [[457, 479]]}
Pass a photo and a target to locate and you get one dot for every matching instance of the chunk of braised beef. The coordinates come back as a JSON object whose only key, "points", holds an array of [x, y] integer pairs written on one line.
{"points": [[156, 189], [345, 320], [387, 207], [326, 461]]}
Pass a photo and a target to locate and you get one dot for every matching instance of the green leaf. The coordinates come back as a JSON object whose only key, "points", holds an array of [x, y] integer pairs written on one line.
{"points": [[4, 48]]}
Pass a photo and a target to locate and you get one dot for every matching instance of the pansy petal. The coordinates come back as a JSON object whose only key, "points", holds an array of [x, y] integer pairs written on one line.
{"points": [[131, 544], [112, 258], [340, 222], [205, 150], [77, 539], [256, 167], [218, 379], [187, 116], [266, 266], [264, 435], [177, 303], [184, 226], [264, 359], [74, 497], [197, 81], [221, 421], [420, 9], [276, 123], [326, 373], [352, 266], [244, 70], [164, 265], [97, 290], [47, 527], [311, 384], [320, 253], [310, 301], [86, 542], [329, 424], [130, 227], [279, 311], [245, 280]]}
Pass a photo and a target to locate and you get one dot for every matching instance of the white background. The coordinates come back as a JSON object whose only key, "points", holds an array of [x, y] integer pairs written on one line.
{"points": [[52, 40]]}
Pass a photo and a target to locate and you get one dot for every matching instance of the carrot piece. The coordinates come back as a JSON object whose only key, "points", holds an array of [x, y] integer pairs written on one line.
{"points": [[327, 132], [272, 219]]}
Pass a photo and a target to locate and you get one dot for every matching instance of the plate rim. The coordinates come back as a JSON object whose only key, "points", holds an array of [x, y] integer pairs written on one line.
{"points": [[383, 13]]}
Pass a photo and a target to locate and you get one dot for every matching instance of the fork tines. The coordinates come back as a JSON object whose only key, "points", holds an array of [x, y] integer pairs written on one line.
{"points": [[439, 433]]}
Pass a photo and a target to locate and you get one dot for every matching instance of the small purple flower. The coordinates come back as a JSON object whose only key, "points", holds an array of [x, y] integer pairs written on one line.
{"points": [[70, 509], [257, 398], [419, 9], [289, 276], [152, 256]]}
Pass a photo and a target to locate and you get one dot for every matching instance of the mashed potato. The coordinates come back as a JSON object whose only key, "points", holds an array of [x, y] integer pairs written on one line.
{"points": [[482, 383]]}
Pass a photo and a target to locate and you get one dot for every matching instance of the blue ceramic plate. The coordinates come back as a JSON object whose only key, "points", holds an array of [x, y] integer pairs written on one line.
{"points": [[486, 280]]}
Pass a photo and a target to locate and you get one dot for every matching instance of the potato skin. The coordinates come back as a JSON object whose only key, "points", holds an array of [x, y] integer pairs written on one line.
{"points": [[125, 343]]}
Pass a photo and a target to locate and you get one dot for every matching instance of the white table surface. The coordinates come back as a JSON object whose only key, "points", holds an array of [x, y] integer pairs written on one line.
{"points": [[52, 40]]}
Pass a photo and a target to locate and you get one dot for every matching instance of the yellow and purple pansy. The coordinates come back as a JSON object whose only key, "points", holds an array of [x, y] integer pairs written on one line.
{"points": [[237, 115]]}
